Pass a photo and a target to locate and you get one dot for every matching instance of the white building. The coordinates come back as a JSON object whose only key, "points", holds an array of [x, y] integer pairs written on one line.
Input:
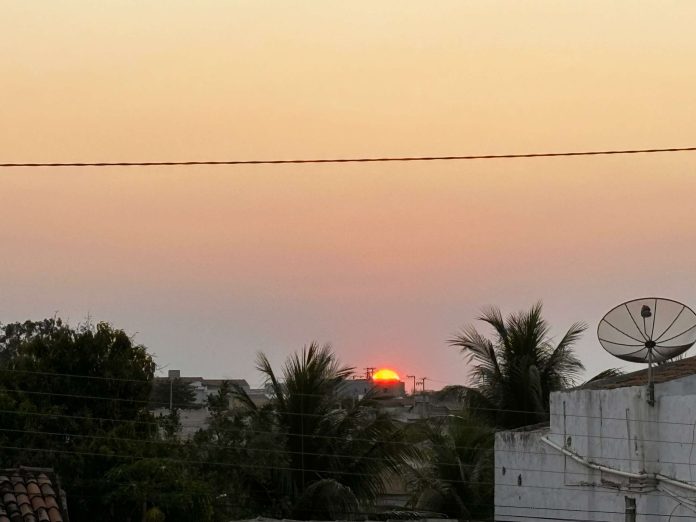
{"points": [[359, 388], [197, 417], [607, 455]]}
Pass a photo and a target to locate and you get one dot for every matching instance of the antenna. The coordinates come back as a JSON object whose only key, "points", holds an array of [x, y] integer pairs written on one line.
{"points": [[651, 329]]}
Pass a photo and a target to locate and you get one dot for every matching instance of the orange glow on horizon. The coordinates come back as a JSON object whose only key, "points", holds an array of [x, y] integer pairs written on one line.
{"points": [[385, 375]]}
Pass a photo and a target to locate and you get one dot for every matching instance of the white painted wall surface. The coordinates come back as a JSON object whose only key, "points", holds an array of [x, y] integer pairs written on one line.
{"points": [[613, 428]]}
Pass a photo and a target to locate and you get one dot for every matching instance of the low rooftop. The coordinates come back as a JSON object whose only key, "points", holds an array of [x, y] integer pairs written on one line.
{"points": [[31, 495], [662, 373], [209, 382]]}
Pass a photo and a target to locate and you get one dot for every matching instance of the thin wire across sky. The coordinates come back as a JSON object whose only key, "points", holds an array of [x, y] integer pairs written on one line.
{"points": [[345, 160]]}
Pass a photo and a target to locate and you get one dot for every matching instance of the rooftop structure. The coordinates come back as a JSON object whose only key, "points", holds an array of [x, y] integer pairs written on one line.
{"points": [[607, 454], [31, 495], [196, 418]]}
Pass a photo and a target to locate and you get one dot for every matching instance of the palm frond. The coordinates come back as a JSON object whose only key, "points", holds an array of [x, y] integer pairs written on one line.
{"points": [[494, 318], [240, 395], [517, 367], [264, 366], [480, 349], [609, 373], [326, 499], [562, 364]]}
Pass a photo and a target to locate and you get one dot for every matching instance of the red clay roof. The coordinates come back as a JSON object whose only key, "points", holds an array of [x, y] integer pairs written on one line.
{"points": [[662, 373], [29, 495]]}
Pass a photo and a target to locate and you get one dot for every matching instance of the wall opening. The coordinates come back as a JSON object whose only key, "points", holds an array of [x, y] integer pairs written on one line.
{"points": [[630, 509]]}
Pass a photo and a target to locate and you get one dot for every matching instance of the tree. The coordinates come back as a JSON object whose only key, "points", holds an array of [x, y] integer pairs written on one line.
{"points": [[337, 456], [176, 392], [159, 489], [456, 476], [517, 368], [74, 399], [247, 454]]}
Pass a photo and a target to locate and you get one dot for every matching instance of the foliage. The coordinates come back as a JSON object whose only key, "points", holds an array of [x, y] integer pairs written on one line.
{"points": [[242, 455], [517, 369], [456, 476], [609, 373], [180, 393], [337, 457], [158, 489], [75, 399]]}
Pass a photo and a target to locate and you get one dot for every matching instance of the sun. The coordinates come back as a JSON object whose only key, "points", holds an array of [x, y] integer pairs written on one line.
{"points": [[385, 375]]}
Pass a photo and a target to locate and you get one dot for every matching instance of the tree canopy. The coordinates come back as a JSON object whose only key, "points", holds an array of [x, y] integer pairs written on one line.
{"points": [[175, 392], [519, 366], [81, 400], [337, 456], [76, 399]]}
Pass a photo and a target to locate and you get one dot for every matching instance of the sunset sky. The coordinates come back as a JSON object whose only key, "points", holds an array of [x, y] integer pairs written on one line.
{"points": [[208, 265]]}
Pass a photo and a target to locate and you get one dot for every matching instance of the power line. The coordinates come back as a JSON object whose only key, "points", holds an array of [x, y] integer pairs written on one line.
{"points": [[323, 436], [156, 403], [383, 159], [242, 465], [320, 472], [286, 468], [232, 447]]}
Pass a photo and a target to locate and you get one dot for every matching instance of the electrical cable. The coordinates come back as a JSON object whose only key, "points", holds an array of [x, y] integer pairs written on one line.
{"points": [[346, 160], [475, 408]]}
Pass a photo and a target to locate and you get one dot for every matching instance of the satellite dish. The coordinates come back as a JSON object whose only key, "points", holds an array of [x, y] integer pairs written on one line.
{"points": [[648, 330]]}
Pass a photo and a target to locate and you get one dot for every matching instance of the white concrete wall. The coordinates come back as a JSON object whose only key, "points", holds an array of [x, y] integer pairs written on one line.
{"points": [[191, 420], [614, 428]]}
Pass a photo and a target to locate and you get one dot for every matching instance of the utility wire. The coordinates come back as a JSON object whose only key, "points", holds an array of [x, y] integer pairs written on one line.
{"points": [[322, 436], [588, 487], [346, 160], [229, 447], [243, 465], [179, 406], [156, 403]]}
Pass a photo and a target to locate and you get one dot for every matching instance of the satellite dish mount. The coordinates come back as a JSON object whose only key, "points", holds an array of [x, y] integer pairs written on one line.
{"points": [[650, 330]]}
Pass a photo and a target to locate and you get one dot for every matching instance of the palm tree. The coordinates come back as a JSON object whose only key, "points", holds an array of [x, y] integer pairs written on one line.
{"points": [[519, 366], [456, 477], [337, 454]]}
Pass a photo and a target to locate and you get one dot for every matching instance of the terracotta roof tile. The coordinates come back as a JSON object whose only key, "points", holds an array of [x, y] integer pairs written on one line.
{"points": [[29, 495], [51, 502], [662, 373], [47, 490], [54, 515]]}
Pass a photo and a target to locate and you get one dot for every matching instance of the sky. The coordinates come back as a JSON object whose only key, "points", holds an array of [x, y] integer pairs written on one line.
{"points": [[206, 266]]}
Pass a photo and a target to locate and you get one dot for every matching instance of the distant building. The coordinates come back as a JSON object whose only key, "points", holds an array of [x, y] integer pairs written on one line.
{"points": [[378, 384], [390, 395], [359, 388], [197, 417], [607, 455], [203, 387]]}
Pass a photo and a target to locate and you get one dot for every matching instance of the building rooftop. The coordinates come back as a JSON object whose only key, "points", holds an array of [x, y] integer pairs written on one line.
{"points": [[30, 495], [210, 382], [662, 373]]}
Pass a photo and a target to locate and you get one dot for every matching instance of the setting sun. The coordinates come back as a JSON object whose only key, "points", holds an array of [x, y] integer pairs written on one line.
{"points": [[385, 375]]}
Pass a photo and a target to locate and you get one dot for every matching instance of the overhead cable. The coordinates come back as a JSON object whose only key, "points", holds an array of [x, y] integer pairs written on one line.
{"points": [[383, 159]]}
